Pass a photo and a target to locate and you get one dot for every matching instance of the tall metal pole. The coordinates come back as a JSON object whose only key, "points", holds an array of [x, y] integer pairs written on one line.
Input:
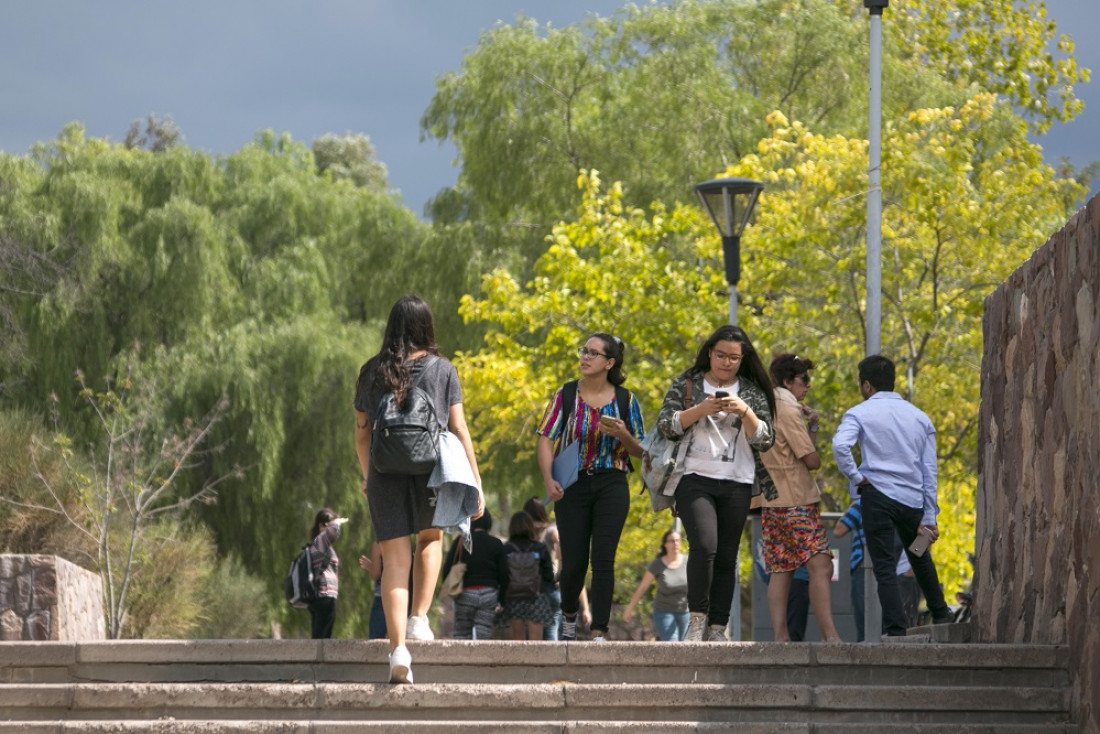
{"points": [[735, 603], [872, 611], [874, 192]]}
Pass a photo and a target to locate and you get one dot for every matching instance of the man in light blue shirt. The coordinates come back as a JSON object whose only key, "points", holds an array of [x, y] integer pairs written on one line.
{"points": [[896, 484]]}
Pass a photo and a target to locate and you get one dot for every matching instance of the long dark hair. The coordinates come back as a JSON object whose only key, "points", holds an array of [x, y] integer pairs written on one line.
{"points": [[613, 347], [324, 516], [409, 328], [751, 368]]}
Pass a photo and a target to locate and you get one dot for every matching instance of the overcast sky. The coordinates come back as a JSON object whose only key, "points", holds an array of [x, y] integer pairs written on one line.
{"points": [[225, 69]]}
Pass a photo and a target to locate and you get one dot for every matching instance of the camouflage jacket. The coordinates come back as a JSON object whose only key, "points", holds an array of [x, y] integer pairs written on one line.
{"points": [[751, 393]]}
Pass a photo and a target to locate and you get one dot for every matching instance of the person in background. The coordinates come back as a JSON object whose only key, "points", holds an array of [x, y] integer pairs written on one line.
{"points": [[670, 608], [852, 521], [897, 486], [526, 615], [486, 571], [591, 513], [727, 425], [791, 523], [546, 532], [376, 628], [401, 505], [326, 568]]}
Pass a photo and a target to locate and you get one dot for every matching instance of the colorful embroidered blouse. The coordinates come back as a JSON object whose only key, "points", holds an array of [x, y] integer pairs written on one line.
{"points": [[597, 450]]}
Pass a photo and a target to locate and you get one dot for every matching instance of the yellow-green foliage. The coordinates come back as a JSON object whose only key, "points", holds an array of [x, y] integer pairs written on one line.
{"points": [[966, 199]]}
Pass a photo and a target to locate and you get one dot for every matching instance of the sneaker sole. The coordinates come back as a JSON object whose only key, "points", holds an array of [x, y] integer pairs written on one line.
{"points": [[401, 674]]}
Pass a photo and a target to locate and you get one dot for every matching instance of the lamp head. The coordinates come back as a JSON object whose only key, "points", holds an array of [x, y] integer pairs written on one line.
{"points": [[730, 202]]}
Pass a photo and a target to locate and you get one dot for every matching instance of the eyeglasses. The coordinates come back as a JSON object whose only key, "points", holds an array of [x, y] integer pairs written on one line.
{"points": [[721, 357], [673, 540], [586, 352], [805, 379]]}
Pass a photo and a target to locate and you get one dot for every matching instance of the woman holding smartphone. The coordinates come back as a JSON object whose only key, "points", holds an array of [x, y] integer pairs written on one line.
{"points": [[727, 425], [605, 420]]}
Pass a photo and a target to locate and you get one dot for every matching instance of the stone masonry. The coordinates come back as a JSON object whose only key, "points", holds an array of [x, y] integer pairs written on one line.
{"points": [[1038, 506], [47, 598]]}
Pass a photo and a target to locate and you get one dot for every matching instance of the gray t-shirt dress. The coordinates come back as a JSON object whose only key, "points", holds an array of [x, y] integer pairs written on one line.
{"points": [[401, 505]]}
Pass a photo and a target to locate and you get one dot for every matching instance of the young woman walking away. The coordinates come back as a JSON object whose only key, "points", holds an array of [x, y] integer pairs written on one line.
{"points": [[400, 504]]}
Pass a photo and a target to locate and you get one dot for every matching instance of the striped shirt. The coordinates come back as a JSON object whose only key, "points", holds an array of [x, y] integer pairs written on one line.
{"points": [[597, 450], [853, 520]]}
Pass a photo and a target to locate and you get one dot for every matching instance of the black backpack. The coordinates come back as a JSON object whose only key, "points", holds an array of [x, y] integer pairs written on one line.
{"points": [[300, 586], [406, 440], [524, 575]]}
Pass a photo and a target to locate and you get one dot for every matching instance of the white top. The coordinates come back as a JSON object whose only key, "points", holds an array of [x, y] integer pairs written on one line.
{"points": [[718, 448]]}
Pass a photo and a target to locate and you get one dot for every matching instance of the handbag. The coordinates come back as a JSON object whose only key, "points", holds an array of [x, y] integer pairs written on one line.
{"points": [[660, 458], [453, 584]]}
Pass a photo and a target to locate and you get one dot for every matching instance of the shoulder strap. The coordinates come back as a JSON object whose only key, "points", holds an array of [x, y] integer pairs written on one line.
{"points": [[428, 362], [622, 397], [568, 401]]}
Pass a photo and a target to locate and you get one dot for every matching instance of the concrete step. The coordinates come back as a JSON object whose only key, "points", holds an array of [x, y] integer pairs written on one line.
{"points": [[532, 702], [455, 661], [159, 726], [320, 686]]}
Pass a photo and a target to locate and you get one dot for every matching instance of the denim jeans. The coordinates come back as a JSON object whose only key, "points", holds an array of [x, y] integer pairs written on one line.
{"points": [[671, 626], [376, 628], [552, 631], [882, 517], [714, 513], [475, 611], [590, 517]]}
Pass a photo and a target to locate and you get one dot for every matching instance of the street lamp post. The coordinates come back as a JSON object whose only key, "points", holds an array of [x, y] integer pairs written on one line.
{"points": [[872, 612], [730, 202]]}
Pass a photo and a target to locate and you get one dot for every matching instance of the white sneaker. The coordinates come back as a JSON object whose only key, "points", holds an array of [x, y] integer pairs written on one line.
{"points": [[599, 638], [419, 629], [401, 665]]}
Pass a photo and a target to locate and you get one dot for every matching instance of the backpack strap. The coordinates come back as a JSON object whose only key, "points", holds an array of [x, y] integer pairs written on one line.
{"points": [[568, 400], [622, 396]]}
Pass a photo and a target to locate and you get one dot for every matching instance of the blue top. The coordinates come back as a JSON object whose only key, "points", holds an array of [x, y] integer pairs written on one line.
{"points": [[897, 442]]}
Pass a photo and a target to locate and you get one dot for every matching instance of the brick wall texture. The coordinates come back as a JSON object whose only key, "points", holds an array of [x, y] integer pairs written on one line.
{"points": [[47, 598], [1038, 508]]}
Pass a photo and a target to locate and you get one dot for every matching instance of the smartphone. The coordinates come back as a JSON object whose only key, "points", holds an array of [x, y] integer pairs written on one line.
{"points": [[721, 394], [607, 421], [920, 544]]}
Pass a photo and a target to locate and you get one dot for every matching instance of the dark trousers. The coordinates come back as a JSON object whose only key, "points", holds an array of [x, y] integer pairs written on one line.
{"points": [[882, 518], [798, 609], [714, 513], [322, 614], [590, 518]]}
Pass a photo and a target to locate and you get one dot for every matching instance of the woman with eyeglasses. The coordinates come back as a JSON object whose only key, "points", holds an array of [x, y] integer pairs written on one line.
{"points": [[670, 608], [791, 523], [604, 418], [727, 425]]}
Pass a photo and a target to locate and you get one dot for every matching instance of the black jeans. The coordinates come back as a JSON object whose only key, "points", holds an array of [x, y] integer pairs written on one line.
{"points": [[590, 518], [714, 513], [322, 613], [882, 517]]}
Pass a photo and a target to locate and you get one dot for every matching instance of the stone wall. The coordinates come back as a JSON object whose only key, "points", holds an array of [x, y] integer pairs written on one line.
{"points": [[48, 598], [1038, 504]]}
